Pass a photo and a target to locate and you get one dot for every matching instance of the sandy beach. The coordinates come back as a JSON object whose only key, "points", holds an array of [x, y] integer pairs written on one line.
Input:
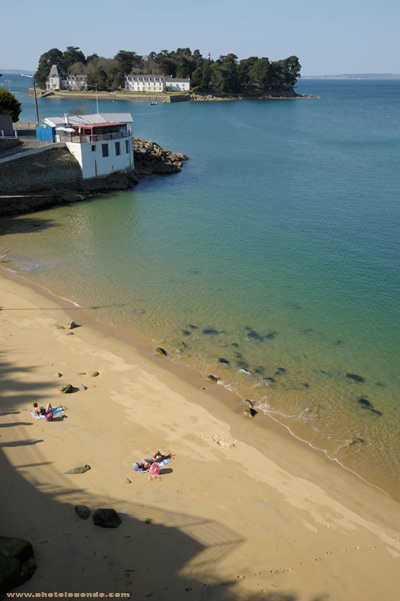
{"points": [[236, 515]]}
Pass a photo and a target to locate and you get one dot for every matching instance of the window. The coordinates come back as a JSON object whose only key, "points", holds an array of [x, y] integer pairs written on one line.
{"points": [[104, 149], [127, 146], [117, 148], [93, 147]]}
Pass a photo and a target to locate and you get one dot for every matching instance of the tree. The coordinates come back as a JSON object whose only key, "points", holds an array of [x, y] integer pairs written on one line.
{"points": [[260, 75], [9, 105], [71, 56], [46, 61], [126, 60]]}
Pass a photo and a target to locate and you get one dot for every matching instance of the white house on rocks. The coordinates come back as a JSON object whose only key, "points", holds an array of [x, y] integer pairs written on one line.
{"points": [[155, 83], [101, 143]]}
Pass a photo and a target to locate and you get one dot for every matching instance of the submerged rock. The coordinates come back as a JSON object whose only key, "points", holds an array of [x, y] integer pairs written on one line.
{"points": [[210, 331], [355, 377], [366, 404], [161, 351], [223, 361]]}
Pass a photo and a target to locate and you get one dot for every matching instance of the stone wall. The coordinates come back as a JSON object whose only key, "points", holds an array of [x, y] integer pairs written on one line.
{"points": [[44, 171]]}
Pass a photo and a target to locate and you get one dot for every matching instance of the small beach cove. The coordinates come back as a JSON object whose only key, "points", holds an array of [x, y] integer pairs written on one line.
{"points": [[251, 513]]}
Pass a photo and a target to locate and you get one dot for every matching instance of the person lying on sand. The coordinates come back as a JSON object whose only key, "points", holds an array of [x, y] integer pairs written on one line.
{"points": [[146, 463], [41, 410]]}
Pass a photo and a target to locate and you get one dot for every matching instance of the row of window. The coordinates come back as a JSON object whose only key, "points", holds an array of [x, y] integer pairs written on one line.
{"points": [[105, 151]]}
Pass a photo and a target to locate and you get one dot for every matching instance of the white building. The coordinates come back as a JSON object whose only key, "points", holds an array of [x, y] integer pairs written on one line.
{"points": [[101, 143], [155, 83], [59, 81]]}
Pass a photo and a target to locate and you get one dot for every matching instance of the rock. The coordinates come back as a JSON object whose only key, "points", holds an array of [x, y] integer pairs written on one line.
{"points": [[245, 371], [250, 412], [69, 334], [161, 351], [72, 325], [249, 403], [223, 361], [355, 377], [79, 470], [16, 563], [253, 334], [82, 387], [242, 364], [186, 333], [83, 511], [271, 335], [268, 380], [94, 374], [280, 370], [355, 440], [106, 518], [210, 331], [128, 480], [212, 378], [59, 327], [58, 375], [365, 404], [67, 389]]}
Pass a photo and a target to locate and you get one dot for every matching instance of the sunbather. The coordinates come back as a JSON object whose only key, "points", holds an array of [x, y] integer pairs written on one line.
{"points": [[41, 410], [146, 463]]}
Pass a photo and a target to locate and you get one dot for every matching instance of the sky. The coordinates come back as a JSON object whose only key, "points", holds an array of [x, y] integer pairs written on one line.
{"points": [[329, 37]]}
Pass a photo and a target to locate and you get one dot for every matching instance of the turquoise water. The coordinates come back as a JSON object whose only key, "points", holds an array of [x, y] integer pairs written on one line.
{"points": [[280, 235]]}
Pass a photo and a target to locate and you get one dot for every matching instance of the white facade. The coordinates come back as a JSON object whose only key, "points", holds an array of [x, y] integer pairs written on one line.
{"points": [[103, 158], [155, 83], [101, 143], [177, 85], [59, 81]]}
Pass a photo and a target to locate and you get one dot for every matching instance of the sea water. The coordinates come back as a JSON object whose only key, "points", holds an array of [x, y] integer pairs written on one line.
{"points": [[270, 261]]}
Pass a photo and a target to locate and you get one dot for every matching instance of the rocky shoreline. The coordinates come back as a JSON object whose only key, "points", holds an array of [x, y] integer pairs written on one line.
{"points": [[53, 177]]}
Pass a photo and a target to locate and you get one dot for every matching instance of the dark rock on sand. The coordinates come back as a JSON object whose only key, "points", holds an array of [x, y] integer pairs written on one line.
{"points": [[280, 370], [212, 378], [83, 511], [259, 369], [106, 518], [16, 563], [94, 374], [250, 412], [73, 325], [235, 344], [271, 335], [242, 364], [186, 333], [223, 361], [269, 380], [192, 327], [161, 351], [355, 377], [79, 470]]}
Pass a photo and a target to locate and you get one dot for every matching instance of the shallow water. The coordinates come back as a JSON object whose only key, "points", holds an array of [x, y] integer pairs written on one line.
{"points": [[280, 238]]}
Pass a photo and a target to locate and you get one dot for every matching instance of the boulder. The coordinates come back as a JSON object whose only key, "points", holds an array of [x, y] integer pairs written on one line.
{"points": [[106, 518], [16, 563], [67, 389], [83, 511]]}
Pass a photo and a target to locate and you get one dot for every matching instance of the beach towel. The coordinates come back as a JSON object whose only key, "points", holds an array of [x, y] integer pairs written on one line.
{"points": [[142, 470], [56, 411]]}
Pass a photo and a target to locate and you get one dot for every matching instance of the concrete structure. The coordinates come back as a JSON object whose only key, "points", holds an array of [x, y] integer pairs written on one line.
{"points": [[58, 81], [155, 83], [101, 143]]}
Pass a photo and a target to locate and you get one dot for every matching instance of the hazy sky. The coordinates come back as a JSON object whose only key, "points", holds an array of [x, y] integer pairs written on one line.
{"points": [[328, 36]]}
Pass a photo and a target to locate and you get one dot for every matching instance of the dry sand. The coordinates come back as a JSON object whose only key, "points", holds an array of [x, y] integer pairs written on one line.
{"points": [[242, 511]]}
